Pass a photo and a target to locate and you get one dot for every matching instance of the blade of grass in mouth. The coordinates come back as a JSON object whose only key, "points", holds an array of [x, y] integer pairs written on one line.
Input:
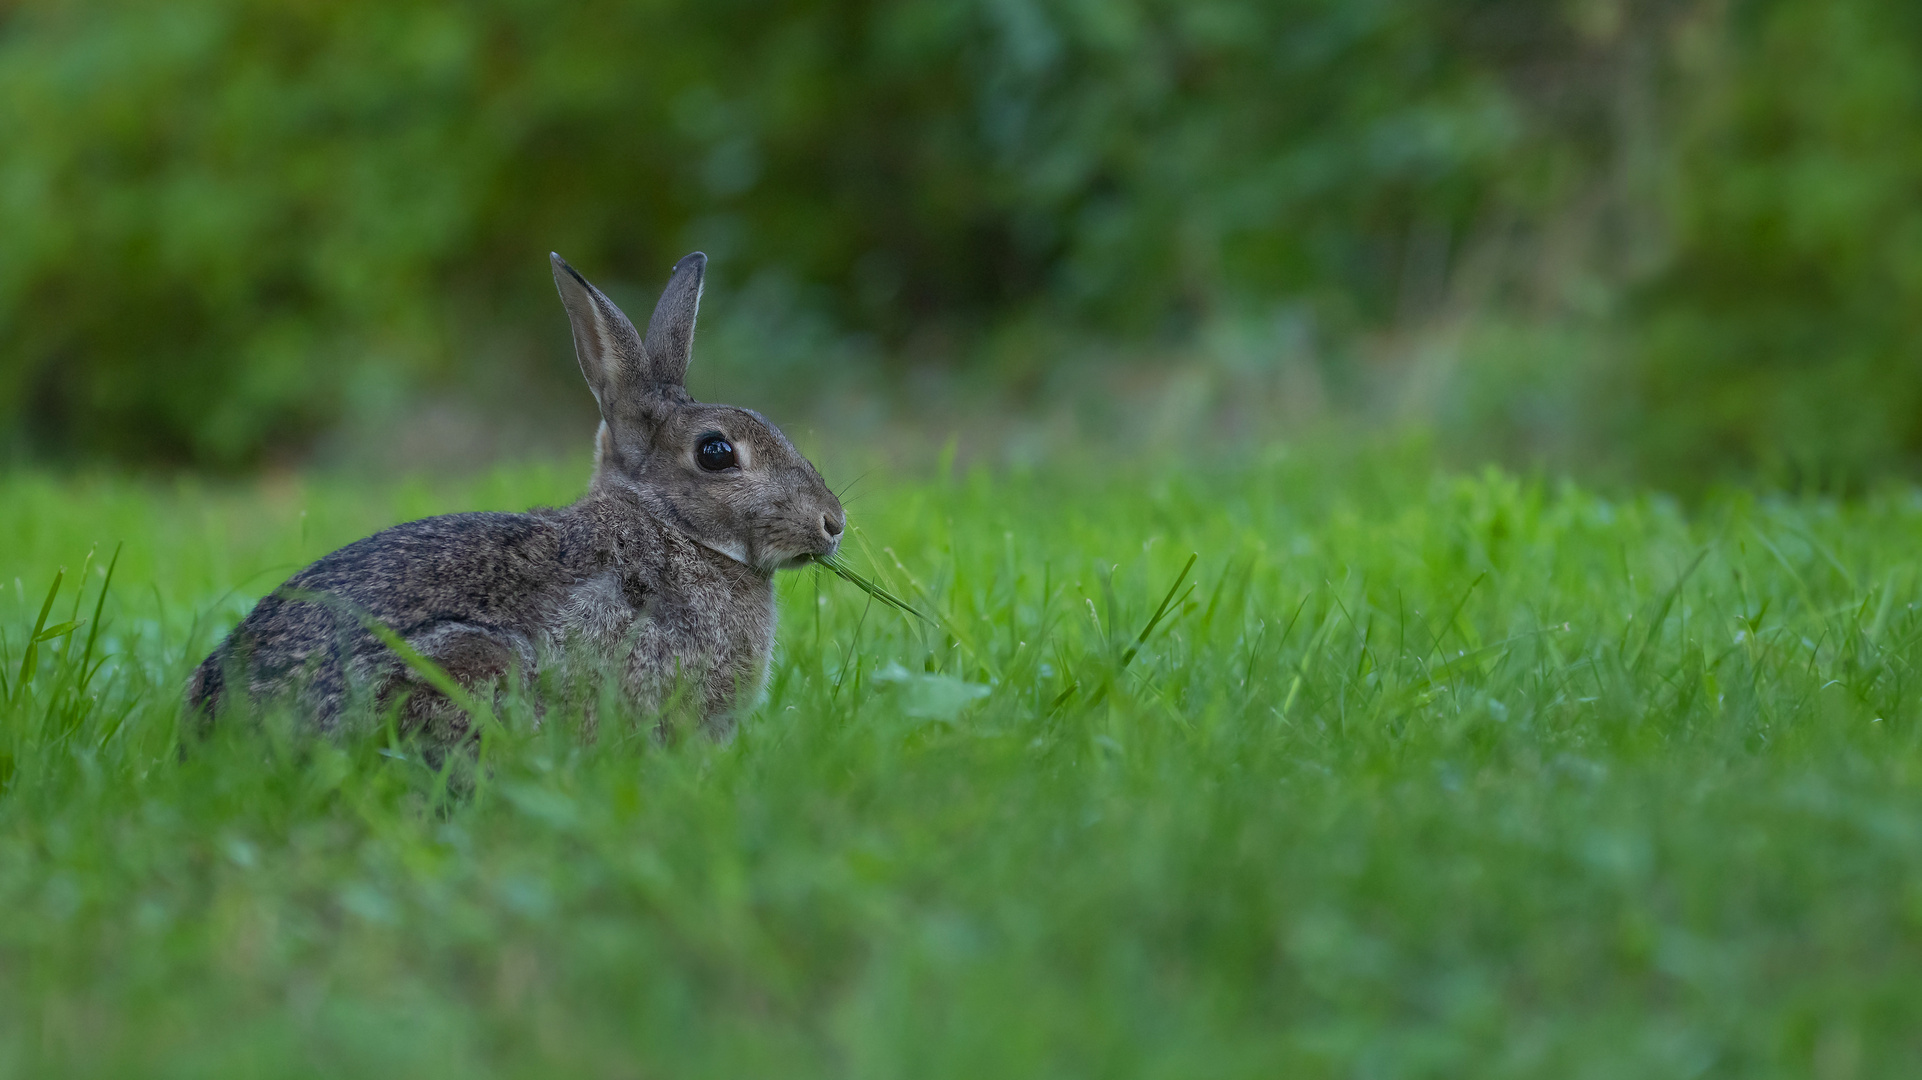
{"points": [[847, 574]]}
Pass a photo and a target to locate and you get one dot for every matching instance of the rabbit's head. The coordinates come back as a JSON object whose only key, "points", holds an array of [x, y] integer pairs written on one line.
{"points": [[725, 477]]}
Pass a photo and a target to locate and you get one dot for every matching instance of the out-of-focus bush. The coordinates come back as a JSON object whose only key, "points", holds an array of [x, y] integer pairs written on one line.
{"points": [[226, 219], [228, 223], [1785, 332]]}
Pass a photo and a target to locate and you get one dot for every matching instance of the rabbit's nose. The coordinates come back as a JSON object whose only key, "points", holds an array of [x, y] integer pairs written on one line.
{"points": [[832, 524]]}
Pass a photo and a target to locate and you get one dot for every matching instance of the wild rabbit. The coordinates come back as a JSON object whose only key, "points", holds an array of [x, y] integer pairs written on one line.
{"points": [[661, 576]]}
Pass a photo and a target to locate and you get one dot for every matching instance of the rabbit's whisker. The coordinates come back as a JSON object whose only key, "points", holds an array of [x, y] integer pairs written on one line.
{"points": [[849, 486]]}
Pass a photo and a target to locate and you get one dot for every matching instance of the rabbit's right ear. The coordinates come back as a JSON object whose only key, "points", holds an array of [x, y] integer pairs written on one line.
{"points": [[612, 358], [670, 332]]}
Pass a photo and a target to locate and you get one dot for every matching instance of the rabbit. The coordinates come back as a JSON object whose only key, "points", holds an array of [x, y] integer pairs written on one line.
{"points": [[661, 577]]}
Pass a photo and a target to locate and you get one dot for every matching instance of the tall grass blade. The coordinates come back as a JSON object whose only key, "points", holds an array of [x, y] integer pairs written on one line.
{"points": [[31, 657], [1167, 602], [93, 628], [1666, 604]]}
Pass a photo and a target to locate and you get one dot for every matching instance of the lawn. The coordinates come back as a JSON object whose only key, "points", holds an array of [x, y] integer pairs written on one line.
{"points": [[1417, 774]]}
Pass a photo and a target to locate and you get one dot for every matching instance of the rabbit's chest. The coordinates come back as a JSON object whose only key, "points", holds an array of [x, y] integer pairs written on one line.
{"points": [[599, 615], [701, 624]]}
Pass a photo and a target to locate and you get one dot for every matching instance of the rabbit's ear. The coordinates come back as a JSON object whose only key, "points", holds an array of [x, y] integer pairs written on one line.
{"points": [[670, 333], [611, 355]]}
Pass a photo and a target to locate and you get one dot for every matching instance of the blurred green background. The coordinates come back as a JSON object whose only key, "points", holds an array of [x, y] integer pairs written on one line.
{"points": [[1673, 241]]}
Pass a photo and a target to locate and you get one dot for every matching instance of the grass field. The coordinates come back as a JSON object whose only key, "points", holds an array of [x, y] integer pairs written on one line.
{"points": [[1419, 774]]}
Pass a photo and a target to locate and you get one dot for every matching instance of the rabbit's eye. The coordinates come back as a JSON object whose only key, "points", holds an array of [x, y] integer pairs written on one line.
{"points": [[715, 454]]}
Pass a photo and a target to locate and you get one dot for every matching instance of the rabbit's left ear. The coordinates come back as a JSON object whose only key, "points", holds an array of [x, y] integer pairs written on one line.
{"points": [[610, 353], [670, 333]]}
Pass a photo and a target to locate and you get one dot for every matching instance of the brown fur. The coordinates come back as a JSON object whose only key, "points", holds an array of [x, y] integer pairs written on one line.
{"points": [[660, 578]]}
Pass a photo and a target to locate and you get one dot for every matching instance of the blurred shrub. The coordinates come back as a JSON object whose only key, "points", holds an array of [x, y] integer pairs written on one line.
{"points": [[226, 218], [1785, 334], [228, 221]]}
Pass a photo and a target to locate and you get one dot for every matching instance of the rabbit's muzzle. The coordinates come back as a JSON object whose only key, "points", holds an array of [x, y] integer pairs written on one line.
{"points": [[826, 541]]}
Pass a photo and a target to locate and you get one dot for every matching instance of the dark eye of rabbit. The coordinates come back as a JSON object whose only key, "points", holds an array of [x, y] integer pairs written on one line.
{"points": [[715, 454]]}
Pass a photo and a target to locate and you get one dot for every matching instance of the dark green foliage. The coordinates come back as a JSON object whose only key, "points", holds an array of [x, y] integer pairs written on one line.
{"points": [[229, 223], [1787, 334]]}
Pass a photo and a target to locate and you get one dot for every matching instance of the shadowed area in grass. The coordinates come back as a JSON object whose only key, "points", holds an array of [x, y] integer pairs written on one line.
{"points": [[1326, 765]]}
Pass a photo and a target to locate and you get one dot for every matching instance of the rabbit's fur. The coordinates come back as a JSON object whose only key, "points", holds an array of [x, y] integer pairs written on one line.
{"points": [[661, 577]]}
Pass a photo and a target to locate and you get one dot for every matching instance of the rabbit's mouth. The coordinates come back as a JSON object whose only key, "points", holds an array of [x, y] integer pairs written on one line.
{"points": [[828, 547], [806, 558], [768, 562], [812, 558]]}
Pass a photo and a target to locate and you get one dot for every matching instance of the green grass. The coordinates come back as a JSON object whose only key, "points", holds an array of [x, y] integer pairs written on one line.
{"points": [[1418, 775]]}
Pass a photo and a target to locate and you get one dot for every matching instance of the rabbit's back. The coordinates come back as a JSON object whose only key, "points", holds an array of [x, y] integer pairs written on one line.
{"points": [[494, 567], [483, 581]]}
